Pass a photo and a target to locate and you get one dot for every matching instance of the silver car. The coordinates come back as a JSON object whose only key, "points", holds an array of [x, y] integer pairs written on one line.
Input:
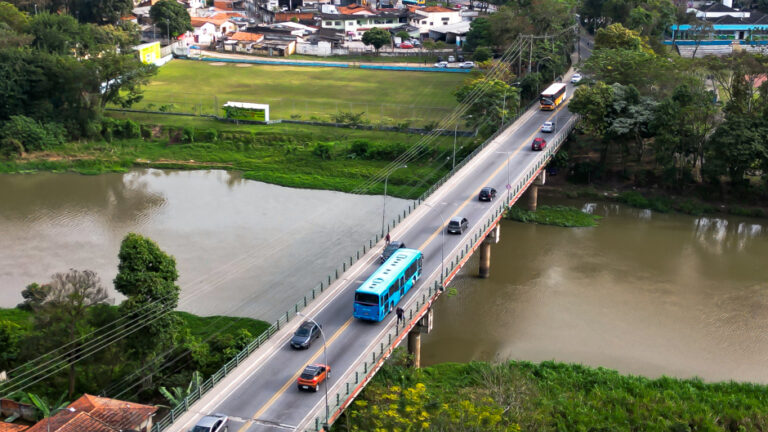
{"points": [[212, 423], [548, 127]]}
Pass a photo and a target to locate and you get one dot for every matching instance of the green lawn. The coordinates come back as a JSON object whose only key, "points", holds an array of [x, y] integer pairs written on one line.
{"points": [[307, 93]]}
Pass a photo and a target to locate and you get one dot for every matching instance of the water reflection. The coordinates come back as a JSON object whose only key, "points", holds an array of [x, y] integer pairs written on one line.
{"points": [[242, 247], [670, 294]]}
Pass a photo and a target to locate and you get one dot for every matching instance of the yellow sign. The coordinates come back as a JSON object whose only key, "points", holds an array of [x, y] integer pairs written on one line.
{"points": [[148, 52]]}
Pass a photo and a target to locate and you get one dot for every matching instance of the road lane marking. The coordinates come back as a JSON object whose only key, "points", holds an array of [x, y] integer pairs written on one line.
{"points": [[292, 380], [496, 172]]}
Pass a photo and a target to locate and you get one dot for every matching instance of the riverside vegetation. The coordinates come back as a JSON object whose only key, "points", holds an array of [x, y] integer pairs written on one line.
{"points": [[562, 216], [548, 396]]}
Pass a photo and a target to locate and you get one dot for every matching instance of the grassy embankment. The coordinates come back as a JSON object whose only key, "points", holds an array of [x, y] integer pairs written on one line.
{"points": [[562, 216], [552, 397], [280, 154], [307, 93], [199, 326]]}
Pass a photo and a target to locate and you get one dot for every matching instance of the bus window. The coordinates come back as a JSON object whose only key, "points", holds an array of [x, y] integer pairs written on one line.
{"points": [[366, 298]]}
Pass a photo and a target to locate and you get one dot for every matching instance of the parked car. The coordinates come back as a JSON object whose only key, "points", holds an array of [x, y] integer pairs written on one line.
{"points": [[548, 127], [304, 335], [441, 64], [451, 59], [575, 78], [313, 376], [457, 225], [212, 423], [406, 45], [538, 144], [460, 58], [390, 249], [440, 59], [487, 194], [415, 42], [467, 65]]}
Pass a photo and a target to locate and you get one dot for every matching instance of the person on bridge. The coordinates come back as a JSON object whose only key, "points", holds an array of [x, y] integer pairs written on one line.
{"points": [[387, 239], [400, 315]]}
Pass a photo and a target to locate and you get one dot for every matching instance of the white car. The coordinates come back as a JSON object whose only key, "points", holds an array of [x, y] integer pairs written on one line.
{"points": [[548, 127], [212, 423], [451, 59], [467, 65], [576, 78], [442, 64]]}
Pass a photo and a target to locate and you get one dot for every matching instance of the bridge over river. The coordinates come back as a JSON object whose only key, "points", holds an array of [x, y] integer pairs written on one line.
{"points": [[258, 391]]}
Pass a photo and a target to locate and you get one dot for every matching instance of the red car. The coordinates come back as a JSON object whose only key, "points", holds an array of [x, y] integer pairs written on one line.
{"points": [[312, 376], [406, 45], [538, 144]]}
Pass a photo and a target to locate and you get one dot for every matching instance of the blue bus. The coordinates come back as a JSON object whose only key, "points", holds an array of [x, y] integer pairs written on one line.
{"points": [[381, 292]]}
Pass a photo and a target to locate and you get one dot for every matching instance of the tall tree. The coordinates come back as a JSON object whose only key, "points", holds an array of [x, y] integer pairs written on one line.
{"points": [[492, 101], [479, 34], [737, 145], [171, 17], [62, 317], [616, 36], [376, 37], [100, 11], [10, 338], [147, 276]]}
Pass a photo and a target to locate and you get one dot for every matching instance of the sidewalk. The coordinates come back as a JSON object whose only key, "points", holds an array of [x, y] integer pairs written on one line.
{"points": [[288, 61]]}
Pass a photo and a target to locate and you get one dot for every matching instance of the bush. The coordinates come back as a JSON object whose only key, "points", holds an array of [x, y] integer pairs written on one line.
{"points": [[188, 135], [360, 148], [749, 212], [211, 135], [323, 150], [10, 148], [482, 54], [130, 129], [146, 131], [32, 134]]}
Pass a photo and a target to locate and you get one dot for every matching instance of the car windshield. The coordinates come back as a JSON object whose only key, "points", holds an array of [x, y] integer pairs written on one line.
{"points": [[201, 429], [303, 331], [309, 372], [454, 223]]}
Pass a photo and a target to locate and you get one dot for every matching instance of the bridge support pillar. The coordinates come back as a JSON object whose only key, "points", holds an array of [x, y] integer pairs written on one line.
{"points": [[414, 347], [485, 251], [533, 190]]}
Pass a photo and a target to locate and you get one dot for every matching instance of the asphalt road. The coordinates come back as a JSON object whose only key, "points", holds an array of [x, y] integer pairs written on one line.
{"points": [[267, 398]]}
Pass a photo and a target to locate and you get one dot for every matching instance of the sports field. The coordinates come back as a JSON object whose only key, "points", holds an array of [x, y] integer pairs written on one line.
{"points": [[305, 93]]}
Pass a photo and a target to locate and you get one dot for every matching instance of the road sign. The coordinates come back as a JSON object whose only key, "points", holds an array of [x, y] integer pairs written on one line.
{"points": [[509, 187]]}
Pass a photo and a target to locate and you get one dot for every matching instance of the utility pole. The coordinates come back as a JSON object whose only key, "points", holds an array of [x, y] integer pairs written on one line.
{"points": [[530, 54]]}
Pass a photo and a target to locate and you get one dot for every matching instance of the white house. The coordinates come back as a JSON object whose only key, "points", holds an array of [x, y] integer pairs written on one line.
{"points": [[207, 30], [427, 18], [355, 20]]}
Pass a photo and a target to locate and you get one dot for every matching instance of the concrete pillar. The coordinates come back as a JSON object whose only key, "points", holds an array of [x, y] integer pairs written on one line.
{"points": [[485, 260], [533, 197], [414, 347]]}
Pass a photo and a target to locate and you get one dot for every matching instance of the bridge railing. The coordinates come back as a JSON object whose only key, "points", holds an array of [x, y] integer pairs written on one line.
{"points": [[349, 386], [316, 291]]}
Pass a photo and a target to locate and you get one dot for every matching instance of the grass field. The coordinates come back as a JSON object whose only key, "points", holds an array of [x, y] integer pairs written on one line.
{"points": [[307, 93]]}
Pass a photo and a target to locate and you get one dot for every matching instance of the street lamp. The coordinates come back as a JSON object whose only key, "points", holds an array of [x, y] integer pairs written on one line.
{"points": [[504, 106], [54, 411], [442, 245], [508, 186], [325, 357], [384, 209]]}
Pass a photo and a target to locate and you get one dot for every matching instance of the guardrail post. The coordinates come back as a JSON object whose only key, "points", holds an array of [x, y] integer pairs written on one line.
{"points": [[347, 388], [287, 318], [305, 300], [278, 324], [337, 273], [173, 417], [343, 269], [338, 401], [357, 377], [358, 253], [296, 306]]}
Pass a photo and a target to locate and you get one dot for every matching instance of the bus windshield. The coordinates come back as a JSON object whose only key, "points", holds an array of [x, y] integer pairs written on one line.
{"points": [[367, 298]]}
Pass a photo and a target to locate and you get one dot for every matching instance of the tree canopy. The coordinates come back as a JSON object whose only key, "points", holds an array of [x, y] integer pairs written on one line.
{"points": [[171, 17], [377, 37]]}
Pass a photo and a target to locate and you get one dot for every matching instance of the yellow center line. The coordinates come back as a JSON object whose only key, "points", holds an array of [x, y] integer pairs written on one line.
{"points": [[295, 377], [495, 172]]}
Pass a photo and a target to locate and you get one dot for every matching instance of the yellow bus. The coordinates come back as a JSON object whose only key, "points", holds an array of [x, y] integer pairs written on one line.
{"points": [[553, 96]]}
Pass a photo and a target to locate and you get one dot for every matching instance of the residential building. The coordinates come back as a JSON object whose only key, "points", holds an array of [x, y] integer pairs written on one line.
{"points": [[208, 30], [427, 18], [452, 33], [724, 23], [354, 20]]}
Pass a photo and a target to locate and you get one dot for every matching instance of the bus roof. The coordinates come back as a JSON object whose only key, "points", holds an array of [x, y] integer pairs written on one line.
{"points": [[383, 276], [554, 88]]}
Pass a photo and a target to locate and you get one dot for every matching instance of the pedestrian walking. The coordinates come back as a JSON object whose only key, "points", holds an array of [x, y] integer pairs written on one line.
{"points": [[387, 239], [400, 315]]}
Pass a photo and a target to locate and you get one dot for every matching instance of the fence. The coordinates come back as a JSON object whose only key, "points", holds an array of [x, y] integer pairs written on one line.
{"points": [[368, 368]]}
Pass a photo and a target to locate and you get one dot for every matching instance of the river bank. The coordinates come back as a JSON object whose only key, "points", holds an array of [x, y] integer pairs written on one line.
{"points": [[300, 156], [547, 396]]}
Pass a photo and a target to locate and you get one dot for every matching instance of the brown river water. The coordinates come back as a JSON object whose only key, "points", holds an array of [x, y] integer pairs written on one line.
{"points": [[643, 293]]}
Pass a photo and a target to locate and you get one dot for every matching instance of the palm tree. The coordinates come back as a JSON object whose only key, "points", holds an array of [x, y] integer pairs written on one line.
{"points": [[176, 395]]}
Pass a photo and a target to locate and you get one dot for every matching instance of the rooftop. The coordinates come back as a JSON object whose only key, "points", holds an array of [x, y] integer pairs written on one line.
{"points": [[96, 414], [246, 37]]}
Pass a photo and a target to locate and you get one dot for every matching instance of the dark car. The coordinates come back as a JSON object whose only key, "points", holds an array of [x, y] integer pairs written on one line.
{"points": [[313, 376], [487, 194], [305, 334], [212, 423], [538, 144], [457, 225], [440, 59], [390, 249]]}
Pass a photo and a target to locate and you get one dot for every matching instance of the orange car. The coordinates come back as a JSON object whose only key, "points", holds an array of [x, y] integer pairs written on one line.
{"points": [[312, 376]]}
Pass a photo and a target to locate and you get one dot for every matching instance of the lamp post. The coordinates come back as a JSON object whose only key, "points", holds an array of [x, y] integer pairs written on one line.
{"points": [[325, 359], [168, 30], [442, 245], [54, 411], [504, 105], [384, 208]]}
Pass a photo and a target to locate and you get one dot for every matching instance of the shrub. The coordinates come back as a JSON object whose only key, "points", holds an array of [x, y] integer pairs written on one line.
{"points": [[10, 148], [130, 129], [323, 150], [146, 131], [32, 134], [360, 147], [634, 199], [482, 54], [188, 135], [211, 135]]}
